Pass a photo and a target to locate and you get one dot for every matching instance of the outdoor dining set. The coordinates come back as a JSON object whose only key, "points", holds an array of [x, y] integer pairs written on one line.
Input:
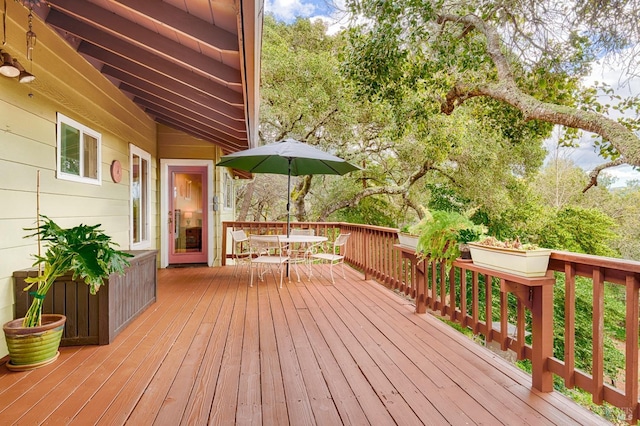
{"points": [[286, 253]]}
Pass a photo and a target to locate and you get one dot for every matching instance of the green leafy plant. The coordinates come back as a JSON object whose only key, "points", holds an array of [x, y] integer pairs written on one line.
{"points": [[422, 225], [441, 234], [468, 235], [84, 250]]}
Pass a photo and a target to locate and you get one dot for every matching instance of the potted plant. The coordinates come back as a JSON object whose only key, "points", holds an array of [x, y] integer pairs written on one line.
{"points": [[466, 236], [511, 256], [441, 235], [410, 234], [407, 238], [86, 251]]}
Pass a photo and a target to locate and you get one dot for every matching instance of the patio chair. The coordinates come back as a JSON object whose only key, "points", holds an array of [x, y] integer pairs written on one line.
{"points": [[240, 252], [336, 256], [300, 253], [267, 250]]}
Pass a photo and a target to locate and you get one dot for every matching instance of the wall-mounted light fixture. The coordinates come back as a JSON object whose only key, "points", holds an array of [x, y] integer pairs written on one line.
{"points": [[8, 68], [24, 76]]}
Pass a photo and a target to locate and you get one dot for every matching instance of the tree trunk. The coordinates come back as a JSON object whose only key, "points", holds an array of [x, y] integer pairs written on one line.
{"points": [[301, 190], [246, 202]]}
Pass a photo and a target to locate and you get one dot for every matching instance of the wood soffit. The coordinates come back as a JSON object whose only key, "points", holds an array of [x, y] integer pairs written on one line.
{"points": [[190, 64]]}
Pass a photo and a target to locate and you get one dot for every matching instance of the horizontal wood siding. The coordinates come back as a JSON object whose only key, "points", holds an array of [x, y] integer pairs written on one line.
{"points": [[67, 83]]}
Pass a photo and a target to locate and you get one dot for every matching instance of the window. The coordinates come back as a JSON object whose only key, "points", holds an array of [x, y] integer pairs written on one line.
{"points": [[140, 162], [228, 191], [78, 152]]}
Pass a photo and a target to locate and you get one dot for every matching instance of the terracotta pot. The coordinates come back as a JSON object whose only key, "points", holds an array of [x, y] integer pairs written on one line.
{"points": [[33, 347], [465, 252]]}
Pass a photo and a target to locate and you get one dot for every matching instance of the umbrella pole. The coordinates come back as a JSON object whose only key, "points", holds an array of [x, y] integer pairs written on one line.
{"points": [[289, 200], [288, 208]]}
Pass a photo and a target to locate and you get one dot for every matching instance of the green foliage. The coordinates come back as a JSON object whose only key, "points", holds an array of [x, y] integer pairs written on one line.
{"points": [[444, 197], [607, 411], [614, 314], [440, 235], [84, 250], [370, 211], [579, 230]]}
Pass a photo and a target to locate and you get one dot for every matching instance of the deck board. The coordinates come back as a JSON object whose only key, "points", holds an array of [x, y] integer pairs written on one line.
{"points": [[211, 350]]}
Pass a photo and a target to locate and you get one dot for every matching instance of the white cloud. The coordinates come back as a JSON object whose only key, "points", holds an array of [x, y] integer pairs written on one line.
{"points": [[289, 10], [335, 16], [331, 12], [585, 156]]}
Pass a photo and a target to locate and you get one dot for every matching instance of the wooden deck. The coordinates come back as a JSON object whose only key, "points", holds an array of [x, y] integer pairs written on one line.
{"points": [[214, 351]]}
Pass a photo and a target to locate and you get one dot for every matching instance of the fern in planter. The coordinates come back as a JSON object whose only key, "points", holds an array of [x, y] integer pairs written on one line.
{"points": [[441, 234], [85, 250]]}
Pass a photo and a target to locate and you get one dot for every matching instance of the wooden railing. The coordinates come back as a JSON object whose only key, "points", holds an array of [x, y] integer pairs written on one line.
{"points": [[458, 294], [600, 270]]}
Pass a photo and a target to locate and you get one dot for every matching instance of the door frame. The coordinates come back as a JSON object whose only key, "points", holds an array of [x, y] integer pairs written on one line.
{"points": [[164, 206]]}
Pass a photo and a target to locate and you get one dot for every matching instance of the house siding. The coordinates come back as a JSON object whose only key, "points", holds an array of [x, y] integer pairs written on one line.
{"points": [[65, 83]]}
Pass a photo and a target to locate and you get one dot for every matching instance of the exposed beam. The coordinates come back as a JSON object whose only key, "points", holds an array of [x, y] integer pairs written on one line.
{"points": [[172, 51], [171, 122], [165, 74], [187, 93], [192, 120], [186, 105], [184, 23]]}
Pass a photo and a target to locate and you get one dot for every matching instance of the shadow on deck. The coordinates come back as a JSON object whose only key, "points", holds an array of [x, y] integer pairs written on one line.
{"points": [[212, 350]]}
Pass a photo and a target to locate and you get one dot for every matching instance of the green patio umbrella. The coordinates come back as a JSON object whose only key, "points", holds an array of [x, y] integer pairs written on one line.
{"points": [[288, 157]]}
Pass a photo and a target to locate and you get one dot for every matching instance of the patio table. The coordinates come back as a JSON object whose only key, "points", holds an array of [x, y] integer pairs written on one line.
{"points": [[306, 244]]}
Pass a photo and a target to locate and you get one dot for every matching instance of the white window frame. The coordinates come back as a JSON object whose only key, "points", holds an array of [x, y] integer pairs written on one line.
{"points": [[227, 190], [144, 156], [63, 119]]}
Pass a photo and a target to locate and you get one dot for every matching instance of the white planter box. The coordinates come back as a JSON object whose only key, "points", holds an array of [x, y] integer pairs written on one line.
{"points": [[408, 240], [524, 263]]}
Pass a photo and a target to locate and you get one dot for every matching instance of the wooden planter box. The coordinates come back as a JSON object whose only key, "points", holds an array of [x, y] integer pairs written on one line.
{"points": [[524, 263], [96, 320]]}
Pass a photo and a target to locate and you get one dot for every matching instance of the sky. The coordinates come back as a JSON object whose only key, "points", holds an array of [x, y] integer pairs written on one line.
{"points": [[584, 156], [326, 10]]}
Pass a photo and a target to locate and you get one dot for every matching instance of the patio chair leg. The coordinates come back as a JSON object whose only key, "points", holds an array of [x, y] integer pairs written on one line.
{"points": [[297, 272], [281, 274]]}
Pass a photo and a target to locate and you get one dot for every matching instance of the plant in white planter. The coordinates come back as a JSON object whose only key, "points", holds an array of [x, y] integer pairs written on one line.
{"points": [[511, 256], [410, 234], [90, 255]]}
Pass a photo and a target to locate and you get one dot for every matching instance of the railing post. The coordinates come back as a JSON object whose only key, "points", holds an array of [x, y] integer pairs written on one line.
{"points": [[223, 260], [366, 254], [537, 295], [421, 284], [542, 330]]}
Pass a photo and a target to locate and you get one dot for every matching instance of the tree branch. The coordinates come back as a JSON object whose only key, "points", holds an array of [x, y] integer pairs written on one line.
{"points": [[320, 123], [376, 190], [595, 172], [506, 90]]}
